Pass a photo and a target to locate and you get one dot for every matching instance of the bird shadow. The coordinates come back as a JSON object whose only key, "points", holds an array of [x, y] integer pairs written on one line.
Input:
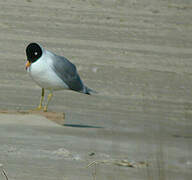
{"points": [[81, 126]]}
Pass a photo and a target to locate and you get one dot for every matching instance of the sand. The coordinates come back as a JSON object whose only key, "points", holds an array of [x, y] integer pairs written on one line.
{"points": [[135, 54]]}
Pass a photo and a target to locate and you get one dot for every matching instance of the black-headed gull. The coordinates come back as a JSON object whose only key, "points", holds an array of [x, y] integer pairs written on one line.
{"points": [[52, 72]]}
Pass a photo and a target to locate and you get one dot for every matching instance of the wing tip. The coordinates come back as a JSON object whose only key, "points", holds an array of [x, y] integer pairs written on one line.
{"points": [[89, 91]]}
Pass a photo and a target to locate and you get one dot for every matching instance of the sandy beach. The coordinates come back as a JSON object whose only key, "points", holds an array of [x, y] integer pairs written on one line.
{"points": [[136, 54]]}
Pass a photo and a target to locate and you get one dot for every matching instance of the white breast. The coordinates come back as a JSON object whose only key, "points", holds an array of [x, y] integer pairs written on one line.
{"points": [[42, 73]]}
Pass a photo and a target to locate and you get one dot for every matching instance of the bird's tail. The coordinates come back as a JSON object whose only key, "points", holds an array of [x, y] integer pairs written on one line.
{"points": [[89, 91]]}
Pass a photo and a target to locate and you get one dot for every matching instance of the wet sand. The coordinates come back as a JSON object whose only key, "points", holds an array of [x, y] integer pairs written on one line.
{"points": [[136, 55]]}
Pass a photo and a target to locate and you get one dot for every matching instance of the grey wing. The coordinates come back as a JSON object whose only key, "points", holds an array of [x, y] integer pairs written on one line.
{"points": [[68, 73]]}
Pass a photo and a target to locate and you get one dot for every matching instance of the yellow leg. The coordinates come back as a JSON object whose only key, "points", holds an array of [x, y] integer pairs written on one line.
{"points": [[41, 100], [48, 100]]}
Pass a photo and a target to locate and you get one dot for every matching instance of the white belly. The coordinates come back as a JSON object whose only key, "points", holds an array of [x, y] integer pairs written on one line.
{"points": [[42, 73]]}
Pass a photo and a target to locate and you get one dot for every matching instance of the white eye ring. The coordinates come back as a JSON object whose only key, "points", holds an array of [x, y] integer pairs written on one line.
{"points": [[35, 53]]}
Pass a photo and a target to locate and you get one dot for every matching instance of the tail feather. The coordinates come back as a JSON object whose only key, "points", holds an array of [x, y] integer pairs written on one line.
{"points": [[89, 91]]}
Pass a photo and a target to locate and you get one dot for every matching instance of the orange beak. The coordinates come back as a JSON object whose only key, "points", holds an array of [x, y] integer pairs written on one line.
{"points": [[27, 64]]}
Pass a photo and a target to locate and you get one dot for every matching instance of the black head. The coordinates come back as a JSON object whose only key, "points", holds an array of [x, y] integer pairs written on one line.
{"points": [[33, 52]]}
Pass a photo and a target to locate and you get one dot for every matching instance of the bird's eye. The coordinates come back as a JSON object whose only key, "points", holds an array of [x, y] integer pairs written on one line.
{"points": [[35, 53]]}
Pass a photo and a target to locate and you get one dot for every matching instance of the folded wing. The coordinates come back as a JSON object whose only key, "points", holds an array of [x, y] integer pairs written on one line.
{"points": [[68, 73]]}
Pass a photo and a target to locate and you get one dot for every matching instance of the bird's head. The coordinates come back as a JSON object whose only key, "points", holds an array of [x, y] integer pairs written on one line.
{"points": [[33, 53]]}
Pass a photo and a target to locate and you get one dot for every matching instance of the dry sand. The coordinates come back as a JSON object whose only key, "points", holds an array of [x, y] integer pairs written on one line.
{"points": [[136, 54]]}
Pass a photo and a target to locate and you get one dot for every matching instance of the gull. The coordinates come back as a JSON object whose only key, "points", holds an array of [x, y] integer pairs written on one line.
{"points": [[52, 72]]}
